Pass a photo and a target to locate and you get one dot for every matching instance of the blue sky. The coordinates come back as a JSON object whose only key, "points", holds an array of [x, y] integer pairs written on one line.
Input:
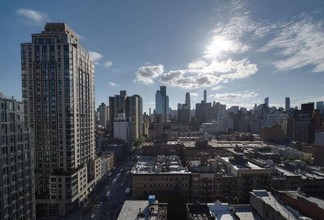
{"points": [[239, 51]]}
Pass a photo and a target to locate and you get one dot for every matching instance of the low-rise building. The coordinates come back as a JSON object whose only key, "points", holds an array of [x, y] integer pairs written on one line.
{"points": [[309, 206], [167, 148], [218, 210], [160, 175], [249, 175], [144, 209], [269, 207]]}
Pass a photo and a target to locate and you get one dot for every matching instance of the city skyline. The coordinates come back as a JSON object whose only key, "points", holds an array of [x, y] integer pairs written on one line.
{"points": [[240, 53]]}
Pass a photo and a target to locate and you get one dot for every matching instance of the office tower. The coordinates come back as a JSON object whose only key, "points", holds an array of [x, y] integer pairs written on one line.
{"points": [[287, 106], [58, 95], [117, 104], [162, 103], [17, 191], [187, 102], [205, 96], [103, 111]]}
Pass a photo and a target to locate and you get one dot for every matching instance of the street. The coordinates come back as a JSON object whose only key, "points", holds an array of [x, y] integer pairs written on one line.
{"points": [[103, 207]]}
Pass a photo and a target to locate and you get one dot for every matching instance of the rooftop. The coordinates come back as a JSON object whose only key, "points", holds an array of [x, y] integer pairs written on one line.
{"points": [[141, 209], [228, 144], [221, 211], [159, 164], [270, 200], [318, 202], [243, 166]]}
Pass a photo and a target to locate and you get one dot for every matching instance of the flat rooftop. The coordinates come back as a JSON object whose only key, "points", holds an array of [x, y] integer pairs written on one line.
{"points": [[270, 200], [228, 144], [139, 209], [244, 166], [318, 202], [159, 164]]}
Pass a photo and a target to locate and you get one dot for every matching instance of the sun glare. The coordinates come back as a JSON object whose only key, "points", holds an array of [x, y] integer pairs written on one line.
{"points": [[219, 45]]}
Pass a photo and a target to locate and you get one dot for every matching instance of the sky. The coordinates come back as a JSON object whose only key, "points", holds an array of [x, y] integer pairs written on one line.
{"points": [[239, 51]]}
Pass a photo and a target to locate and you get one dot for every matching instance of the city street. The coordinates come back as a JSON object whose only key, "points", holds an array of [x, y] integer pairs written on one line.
{"points": [[101, 206]]}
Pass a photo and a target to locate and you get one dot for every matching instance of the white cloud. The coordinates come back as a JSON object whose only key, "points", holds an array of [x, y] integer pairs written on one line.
{"points": [[298, 44], [217, 88], [243, 99], [206, 74], [108, 63], [95, 57], [32, 17], [112, 84], [146, 74], [194, 95], [212, 73], [215, 66]]}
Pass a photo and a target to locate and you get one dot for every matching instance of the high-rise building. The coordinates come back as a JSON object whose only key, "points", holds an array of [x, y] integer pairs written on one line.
{"points": [[320, 106], [205, 96], [117, 104], [287, 104], [307, 107], [103, 111], [131, 106], [266, 102], [187, 102], [17, 191], [58, 95], [134, 109], [162, 103], [123, 130]]}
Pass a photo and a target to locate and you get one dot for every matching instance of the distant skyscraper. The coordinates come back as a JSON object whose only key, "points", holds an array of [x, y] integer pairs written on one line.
{"points": [[188, 100], [162, 103], [320, 106], [17, 191], [266, 102], [287, 106], [117, 104], [307, 107], [131, 106], [205, 96], [58, 94], [134, 109], [103, 111]]}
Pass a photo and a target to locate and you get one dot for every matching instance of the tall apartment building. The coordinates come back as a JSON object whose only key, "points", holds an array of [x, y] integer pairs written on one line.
{"points": [[58, 95], [17, 191]]}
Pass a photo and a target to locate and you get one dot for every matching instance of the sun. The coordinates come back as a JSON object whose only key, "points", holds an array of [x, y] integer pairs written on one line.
{"points": [[218, 46]]}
